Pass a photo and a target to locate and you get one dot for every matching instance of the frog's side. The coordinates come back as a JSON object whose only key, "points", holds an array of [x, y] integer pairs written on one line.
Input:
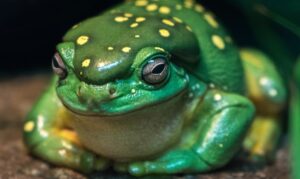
{"points": [[152, 87]]}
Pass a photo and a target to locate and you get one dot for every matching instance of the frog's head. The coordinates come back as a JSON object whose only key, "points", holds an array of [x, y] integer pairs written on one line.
{"points": [[114, 64]]}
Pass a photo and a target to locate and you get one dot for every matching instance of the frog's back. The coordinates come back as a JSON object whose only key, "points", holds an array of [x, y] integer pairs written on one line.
{"points": [[182, 27]]}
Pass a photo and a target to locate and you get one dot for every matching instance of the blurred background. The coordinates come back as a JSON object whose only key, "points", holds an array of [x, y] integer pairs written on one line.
{"points": [[30, 29]]}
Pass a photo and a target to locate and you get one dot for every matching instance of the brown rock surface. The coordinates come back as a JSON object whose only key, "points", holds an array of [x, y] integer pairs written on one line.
{"points": [[16, 98]]}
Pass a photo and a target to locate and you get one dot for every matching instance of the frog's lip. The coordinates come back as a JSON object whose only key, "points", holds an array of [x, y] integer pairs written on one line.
{"points": [[121, 112]]}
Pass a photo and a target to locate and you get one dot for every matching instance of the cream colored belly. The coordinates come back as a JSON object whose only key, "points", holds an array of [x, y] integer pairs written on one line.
{"points": [[133, 136]]}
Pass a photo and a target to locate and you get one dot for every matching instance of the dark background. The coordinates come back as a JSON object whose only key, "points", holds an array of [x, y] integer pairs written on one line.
{"points": [[30, 29]]}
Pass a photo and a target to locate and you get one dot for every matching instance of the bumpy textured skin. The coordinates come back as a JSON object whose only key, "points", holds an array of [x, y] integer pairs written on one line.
{"points": [[104, 114]]}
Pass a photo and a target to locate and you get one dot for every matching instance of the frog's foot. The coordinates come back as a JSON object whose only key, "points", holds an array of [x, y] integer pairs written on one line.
{"points": [[261, 142], [177, 161], [62, 148]]}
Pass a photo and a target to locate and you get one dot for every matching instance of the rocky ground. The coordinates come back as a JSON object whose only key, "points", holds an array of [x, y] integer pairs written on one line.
{"points": [[16, 98]]}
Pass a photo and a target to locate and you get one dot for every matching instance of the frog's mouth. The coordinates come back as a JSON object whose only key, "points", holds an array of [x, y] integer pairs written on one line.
{"points": [[118, 106]]}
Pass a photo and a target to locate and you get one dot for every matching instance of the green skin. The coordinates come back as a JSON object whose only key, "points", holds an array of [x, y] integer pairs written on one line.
{"points": [[194, 121]]}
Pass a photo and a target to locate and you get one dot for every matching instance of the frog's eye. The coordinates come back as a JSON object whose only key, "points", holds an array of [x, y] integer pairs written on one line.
{"points": [[155, 71], [58, 66]]}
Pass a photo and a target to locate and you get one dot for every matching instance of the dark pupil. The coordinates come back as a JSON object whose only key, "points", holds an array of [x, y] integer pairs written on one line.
{"points": [[55, 63], [158, 69]]}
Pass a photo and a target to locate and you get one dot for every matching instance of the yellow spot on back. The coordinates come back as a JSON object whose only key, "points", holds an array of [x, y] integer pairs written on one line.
{"points": [[128, 15], [126, 49], [134, 25], [121, 19], [164, 33], [218, 42], [168, 22], [82, 40], [189, 28], [188, 4], [177, 19], [110, 48], [164, 10], [137, 36], [199, 8], [141, 3], [178, 6], [140, 19], [81, 73], [75, 26], [211, 20], [28, 127], [86, 63], [113, 11], [160, 49], [151, 7]]}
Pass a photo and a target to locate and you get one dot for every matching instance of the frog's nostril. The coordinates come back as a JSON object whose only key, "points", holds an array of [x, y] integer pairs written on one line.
{"points": [[112, 91]]}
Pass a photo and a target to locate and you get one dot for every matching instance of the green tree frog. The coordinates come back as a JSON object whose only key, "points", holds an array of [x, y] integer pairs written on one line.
{"points": [[155, 87]]}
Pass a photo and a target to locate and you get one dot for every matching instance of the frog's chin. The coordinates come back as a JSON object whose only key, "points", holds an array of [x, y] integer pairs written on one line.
{"points": [[108, 109]]}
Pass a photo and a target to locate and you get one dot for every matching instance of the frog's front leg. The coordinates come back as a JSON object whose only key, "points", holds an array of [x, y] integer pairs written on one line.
{"points": [[48, 136], [222, 124]]}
